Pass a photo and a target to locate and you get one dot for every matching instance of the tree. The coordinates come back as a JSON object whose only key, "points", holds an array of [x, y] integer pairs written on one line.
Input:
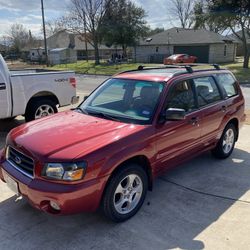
{"points": [[19, 37], [53, 26], [85, 18], [183, 9], [152, 32], [123, 24], [235, 15], [204, 20]]}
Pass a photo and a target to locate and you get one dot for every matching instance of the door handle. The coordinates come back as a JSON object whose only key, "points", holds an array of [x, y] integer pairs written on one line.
{"points": [[2, 86], [194, 121], [224, 108]]}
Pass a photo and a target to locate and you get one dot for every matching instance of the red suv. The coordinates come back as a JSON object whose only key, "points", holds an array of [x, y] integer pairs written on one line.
{"points": [[132, 128]]}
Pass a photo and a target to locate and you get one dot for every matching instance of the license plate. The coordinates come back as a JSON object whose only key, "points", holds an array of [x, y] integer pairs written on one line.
{"points": [[12, 185]]}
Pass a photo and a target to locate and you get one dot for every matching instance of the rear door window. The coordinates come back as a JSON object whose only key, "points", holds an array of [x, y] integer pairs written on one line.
{"points": [[207, 91], [228, 84]]}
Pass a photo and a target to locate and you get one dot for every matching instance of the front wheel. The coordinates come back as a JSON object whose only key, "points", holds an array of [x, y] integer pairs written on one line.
{"points": [[125, 193], [225, 146], [39, 108]]}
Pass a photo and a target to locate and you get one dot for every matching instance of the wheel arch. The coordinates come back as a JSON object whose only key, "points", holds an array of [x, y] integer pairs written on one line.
{"points": [[235, 122], [43, 94], [141, 160]]}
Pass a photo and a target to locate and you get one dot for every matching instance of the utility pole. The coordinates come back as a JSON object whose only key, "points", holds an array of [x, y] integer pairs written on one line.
{"points": [[44, 35], [85, 38]]}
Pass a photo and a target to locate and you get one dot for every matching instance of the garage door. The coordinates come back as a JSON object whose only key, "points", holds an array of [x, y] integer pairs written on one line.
{"points": [[202, 52]]}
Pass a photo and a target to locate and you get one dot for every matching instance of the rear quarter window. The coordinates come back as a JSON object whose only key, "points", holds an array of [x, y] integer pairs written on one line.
{"points": [[228, 84]]}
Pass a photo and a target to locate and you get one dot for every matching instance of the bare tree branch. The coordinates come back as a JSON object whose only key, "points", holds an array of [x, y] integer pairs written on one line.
{"points": [[183, 9]]}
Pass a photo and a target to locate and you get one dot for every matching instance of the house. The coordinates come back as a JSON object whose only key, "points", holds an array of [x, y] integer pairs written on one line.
{"points": [[62, 55], [65, 39], [240, 50], [207, 46]]}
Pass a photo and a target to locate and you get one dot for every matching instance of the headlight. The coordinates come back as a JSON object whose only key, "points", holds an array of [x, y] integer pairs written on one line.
{"points": [[65, 171]]}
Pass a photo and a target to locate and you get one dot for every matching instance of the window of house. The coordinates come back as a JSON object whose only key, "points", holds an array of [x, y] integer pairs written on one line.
{"points": [[156, 49], [225, 50], [207, 91]]}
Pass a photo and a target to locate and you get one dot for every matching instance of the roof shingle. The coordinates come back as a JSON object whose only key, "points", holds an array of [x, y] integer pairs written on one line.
{"points": [[180, 36]]}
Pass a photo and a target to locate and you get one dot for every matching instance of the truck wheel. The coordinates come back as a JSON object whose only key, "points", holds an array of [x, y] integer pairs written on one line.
{"points": [[125, 193], [40, 108], [225, 146]]}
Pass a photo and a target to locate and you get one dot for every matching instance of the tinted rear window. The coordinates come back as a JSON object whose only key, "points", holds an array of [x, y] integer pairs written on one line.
{"points": [[228, 83], [207, 91]]}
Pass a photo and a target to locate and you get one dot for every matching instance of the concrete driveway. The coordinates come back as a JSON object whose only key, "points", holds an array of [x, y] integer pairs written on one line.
{"points": [[204, 203]]}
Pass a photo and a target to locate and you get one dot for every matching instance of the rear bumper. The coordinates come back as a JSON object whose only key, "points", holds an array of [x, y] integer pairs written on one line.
{"points": [[71, 199]]}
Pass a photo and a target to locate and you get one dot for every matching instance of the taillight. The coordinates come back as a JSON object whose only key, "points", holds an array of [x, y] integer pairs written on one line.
{"points": [[72, 81]]}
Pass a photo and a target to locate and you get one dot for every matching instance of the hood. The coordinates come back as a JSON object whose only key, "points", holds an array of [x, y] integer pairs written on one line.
{"points": [[68, 135]]}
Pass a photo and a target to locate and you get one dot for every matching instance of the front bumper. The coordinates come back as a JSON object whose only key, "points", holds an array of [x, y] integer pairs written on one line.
{"points": [[71, 198]]}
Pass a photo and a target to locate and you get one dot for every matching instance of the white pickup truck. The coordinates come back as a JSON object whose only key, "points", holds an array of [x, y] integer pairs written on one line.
{"points": [[34, 94]]}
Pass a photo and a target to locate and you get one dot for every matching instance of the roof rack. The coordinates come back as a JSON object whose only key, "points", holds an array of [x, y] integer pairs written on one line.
{"points": [[188, 67], [216, 66]]}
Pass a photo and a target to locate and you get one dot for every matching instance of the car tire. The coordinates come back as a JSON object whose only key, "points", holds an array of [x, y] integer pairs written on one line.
{"points": [[39, 108], [225, 145], [125, 193]]}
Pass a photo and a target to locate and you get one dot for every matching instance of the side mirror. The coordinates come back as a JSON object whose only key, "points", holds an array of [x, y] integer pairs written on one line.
{"points": [[174, 114], [85, 97]]}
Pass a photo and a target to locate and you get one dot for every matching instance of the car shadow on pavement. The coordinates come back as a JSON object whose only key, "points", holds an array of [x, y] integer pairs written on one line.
{"points": [[173, 215]]}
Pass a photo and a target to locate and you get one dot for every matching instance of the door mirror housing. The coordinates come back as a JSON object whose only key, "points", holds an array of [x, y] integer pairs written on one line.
{"points": [[175, 114], [85, 97]]}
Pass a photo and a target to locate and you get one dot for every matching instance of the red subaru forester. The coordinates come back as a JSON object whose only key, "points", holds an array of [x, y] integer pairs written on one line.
{"points": [[108, 151]]}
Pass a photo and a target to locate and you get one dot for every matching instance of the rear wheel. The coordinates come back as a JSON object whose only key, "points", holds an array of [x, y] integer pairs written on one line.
{"points": [[39, 108], [226, 143], [125, 193]]}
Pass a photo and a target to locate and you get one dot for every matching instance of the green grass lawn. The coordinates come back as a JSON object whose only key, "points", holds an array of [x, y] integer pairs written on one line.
{"points": [[83, 67], [243, 75]]}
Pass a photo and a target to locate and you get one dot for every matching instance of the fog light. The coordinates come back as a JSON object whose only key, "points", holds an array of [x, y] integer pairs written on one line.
{"points": [[54, 205]]}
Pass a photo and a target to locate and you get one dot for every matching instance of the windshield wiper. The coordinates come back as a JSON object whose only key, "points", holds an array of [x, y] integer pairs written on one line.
{"points": [[103, 115], [81, 110]]}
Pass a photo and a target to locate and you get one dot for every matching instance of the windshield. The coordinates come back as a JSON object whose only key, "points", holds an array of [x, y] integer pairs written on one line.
{"points": [[125, 100], [174, 56]]}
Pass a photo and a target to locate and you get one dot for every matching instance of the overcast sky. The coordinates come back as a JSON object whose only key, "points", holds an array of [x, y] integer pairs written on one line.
{"points": [[28, 13]]}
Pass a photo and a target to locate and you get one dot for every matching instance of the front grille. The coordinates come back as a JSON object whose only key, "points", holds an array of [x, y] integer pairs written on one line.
{"points": [[22, 162]]}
